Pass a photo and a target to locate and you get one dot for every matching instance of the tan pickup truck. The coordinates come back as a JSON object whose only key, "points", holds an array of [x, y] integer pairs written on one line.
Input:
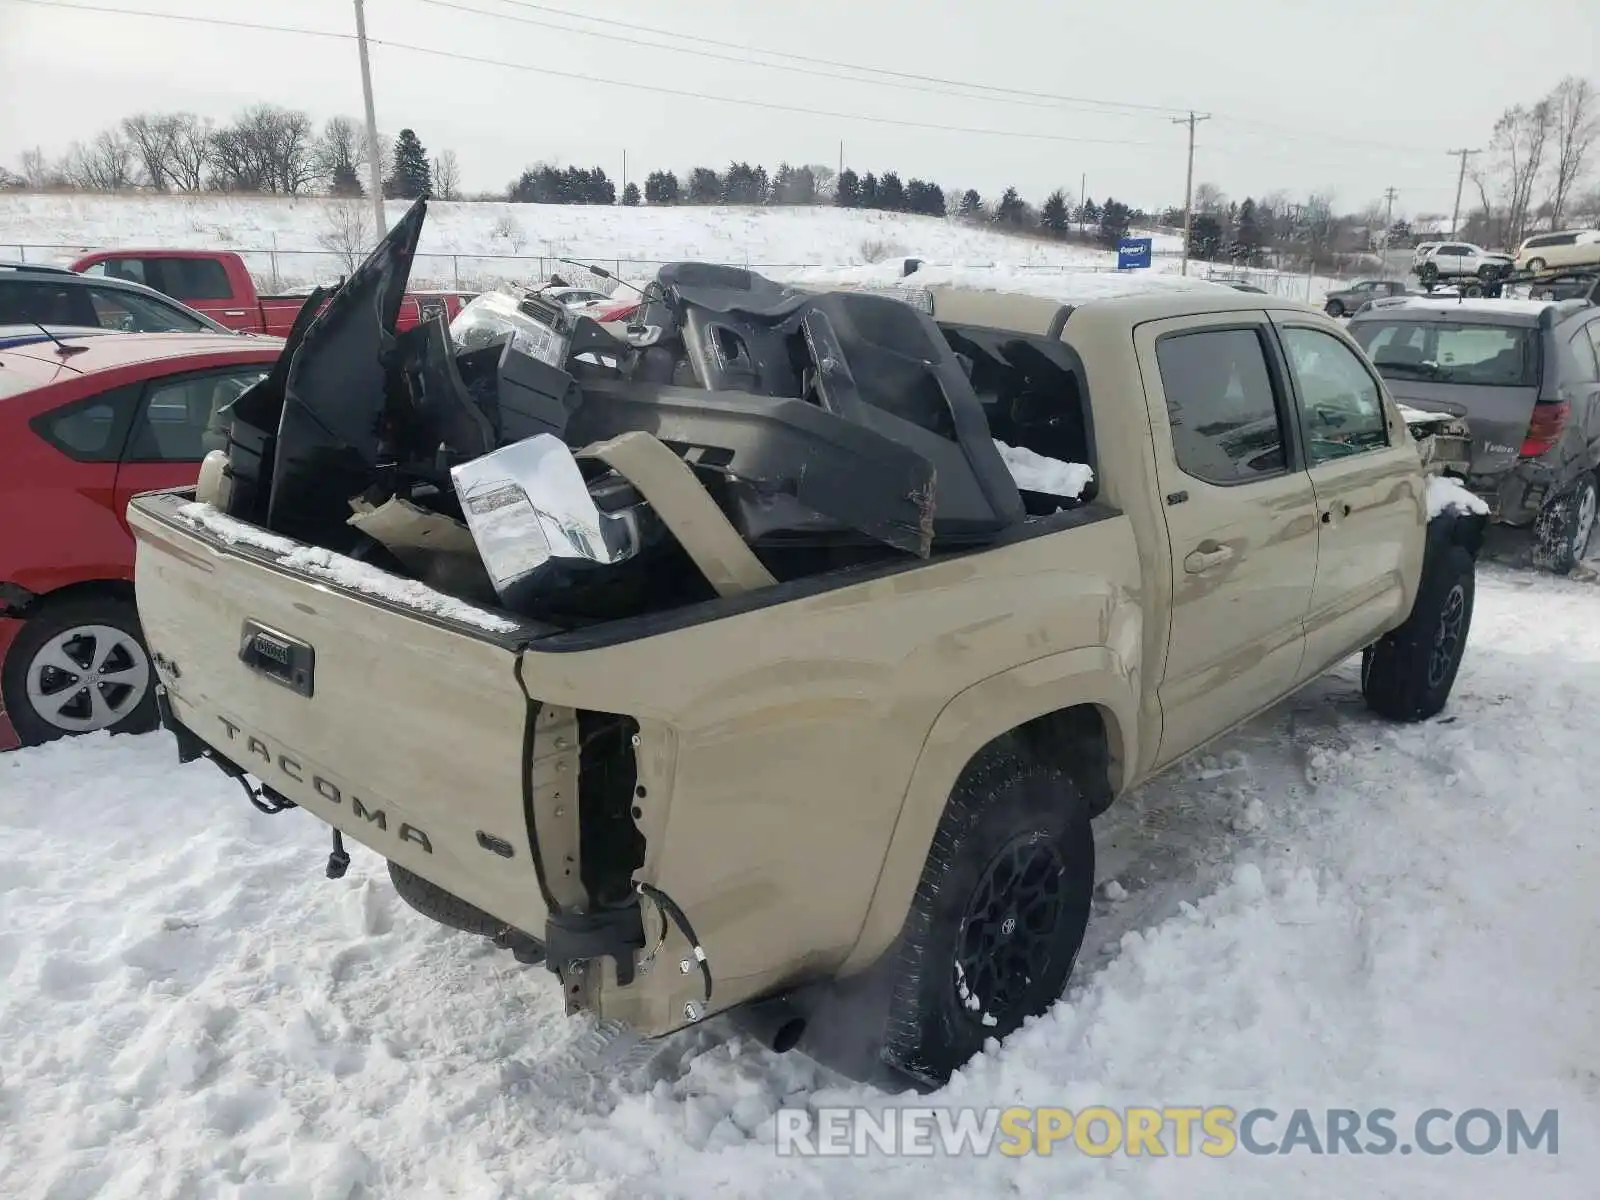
{"points": [[879, 769]]}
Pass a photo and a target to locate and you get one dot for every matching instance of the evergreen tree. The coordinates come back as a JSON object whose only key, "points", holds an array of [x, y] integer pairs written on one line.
{"points": [[1247, 232], [924, 198], [891, 193], [971, 204], [1114, 221], [630, 195], [1054, 216], [346, 182], [705, 186], [661, 187], [1205, 237], [1088, 212], [869, 191], [847, 191], [1010, 209], [412, 174]]}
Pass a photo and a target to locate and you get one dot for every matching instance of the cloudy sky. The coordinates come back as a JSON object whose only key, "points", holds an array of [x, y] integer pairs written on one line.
{"points": [[1347, 96]]}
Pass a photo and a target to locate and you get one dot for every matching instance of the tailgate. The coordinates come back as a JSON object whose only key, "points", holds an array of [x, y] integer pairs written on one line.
{"points": [[404, 728]]}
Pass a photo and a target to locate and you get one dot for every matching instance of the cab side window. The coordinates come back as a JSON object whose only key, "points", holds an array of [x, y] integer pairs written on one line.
{"points": [[1338, 397], [1227, 427]]}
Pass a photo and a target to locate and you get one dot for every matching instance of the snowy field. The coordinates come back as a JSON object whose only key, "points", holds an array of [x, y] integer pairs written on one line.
{"points": [[1321, 911], [477, 245]]}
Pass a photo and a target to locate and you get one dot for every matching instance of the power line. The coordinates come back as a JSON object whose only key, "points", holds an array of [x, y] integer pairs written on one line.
{"points": [[681, 93], [769, 105], [126, 12], [1151, 109], [915, 82]]}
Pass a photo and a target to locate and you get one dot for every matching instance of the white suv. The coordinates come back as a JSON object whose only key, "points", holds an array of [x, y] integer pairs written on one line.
{"points": [[1459, 260], [1567, 248]]}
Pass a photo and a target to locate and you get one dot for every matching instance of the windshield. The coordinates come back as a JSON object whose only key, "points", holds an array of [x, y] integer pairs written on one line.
{"points": [[1485, 355]]}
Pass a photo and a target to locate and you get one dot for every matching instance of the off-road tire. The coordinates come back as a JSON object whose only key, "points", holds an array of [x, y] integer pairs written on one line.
{"points": [[1557, 529], [45, 624], [1334, 308], [1408, 674], [1006, 809], [439, 905]]}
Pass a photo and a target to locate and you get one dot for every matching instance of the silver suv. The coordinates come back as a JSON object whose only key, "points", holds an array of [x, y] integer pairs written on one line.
{"points": [[1525, 375]]}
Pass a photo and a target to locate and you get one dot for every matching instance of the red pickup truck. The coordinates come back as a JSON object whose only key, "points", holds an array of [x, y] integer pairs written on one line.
{"points": [[216, 283]]}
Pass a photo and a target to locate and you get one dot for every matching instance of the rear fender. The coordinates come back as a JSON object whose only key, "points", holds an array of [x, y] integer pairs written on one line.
{"points": [[1097, 676]]}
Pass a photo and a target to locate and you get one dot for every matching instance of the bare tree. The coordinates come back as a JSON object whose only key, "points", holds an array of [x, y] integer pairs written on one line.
{"points": [[151, 135], [37, 173], [267, 149], [339, 155], [1518, 145], [1209, 198], [344, 233], [446, 176], [825, 176], [103, 165], [1575, 126], [191, 151]]}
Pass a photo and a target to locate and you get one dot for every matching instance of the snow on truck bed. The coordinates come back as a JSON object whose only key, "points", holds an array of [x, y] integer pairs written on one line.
{"points": [[1321, 911]]}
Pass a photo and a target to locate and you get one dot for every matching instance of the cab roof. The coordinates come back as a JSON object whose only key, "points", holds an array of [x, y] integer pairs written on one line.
{"points": [[39, 362]]}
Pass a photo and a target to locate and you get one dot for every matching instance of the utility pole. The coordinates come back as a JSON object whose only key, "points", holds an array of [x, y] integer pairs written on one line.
{"points": [[374, 166], [1188, 186], [1083, 194], [624, 174], [1461, 178], [841, 156], [1388, 221]]}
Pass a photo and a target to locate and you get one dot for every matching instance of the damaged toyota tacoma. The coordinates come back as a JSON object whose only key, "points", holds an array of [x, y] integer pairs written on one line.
{"points": [[782, 644]]}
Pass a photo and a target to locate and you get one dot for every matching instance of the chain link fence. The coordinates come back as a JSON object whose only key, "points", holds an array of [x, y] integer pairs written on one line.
{"points": [[279, 270]]}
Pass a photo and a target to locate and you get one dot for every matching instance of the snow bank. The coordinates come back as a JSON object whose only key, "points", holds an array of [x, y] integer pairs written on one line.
{"points": [[1068, 287], [344, 571], [1036, 473], [1446, 494]]}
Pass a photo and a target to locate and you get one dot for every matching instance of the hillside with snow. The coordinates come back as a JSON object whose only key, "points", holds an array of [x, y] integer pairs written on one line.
{"points": [[291, 242]]}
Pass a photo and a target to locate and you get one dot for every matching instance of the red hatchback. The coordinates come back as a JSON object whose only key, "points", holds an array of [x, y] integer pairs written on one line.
{"points": [[87, 419]]}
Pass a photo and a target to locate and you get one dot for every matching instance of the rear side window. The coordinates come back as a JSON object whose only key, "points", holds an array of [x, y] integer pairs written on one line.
{"points": [[180, 412], [128, 312], [22, 302], [1222, 405], [93, 429], [193, 279]]}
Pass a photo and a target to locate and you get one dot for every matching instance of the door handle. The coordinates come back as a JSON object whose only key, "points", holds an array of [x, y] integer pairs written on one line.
{"points": [[1207, 555]]}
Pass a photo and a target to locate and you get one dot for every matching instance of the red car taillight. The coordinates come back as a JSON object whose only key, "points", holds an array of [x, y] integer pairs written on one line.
{"points": [[1545, 427]]}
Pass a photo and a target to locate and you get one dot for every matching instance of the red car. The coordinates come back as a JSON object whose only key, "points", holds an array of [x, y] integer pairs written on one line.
{"points": [[216, 283], [87, 419]]}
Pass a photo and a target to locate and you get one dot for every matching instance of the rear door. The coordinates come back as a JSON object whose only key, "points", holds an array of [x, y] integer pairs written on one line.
{"points": [[1240, 516], [1366, 477], [168, 437]]}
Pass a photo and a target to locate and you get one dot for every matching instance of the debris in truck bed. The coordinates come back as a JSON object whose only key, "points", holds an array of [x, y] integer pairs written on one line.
{"points": [[811, 428], [345, 571], [1036, 473]]}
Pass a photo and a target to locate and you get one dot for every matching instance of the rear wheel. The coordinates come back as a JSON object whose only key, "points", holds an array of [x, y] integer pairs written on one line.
{"points": [[1564, 527], [998, 917], [1536, 265], [80, 666], [1428, 273], [1334, 308]]}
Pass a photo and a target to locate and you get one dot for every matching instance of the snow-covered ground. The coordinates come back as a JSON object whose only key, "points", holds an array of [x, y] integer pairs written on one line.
{"points": [[1322, 910], [476, 245]]}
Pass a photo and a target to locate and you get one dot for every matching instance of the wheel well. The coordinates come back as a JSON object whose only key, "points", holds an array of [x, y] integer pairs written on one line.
{"points": [[31, 603], [1078, 741]]}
